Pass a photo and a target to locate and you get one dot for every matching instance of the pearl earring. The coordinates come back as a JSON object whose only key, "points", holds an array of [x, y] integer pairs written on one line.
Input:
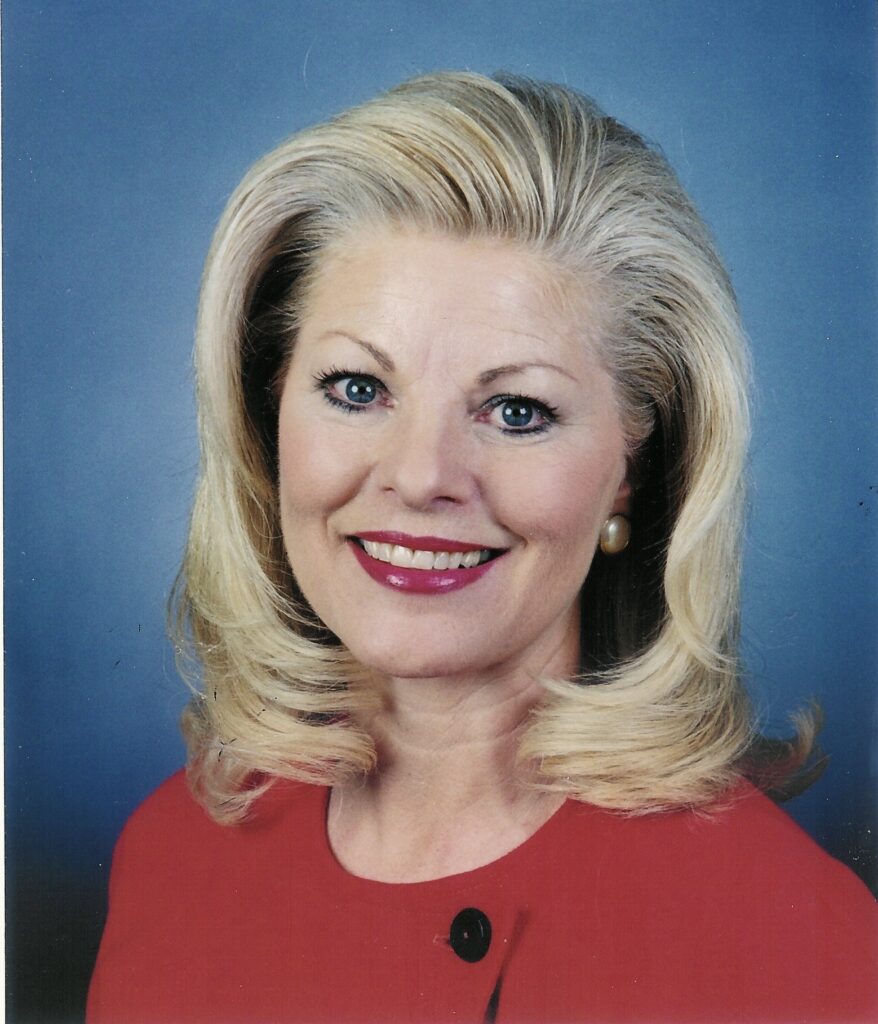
{"points": [[615, 535]]}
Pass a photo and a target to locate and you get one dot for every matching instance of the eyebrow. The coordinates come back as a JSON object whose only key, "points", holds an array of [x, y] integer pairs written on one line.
{"points": [[489, 376], [380, 357]]}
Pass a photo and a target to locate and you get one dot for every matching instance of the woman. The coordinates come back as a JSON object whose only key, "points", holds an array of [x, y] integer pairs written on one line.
{"points": [[462, 581]]}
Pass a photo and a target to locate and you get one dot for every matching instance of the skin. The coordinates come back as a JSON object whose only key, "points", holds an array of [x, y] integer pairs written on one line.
{"points": [[435, 324]]}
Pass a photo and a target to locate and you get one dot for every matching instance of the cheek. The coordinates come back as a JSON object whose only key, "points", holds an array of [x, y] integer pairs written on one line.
{"points": [[567, 500], [317, 468]]}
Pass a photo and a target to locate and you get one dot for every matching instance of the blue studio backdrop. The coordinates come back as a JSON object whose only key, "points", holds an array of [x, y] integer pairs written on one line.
{"points": [[125, 128]]}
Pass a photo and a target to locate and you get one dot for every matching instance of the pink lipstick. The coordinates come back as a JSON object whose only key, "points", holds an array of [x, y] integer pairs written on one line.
{"points": [[419, 581]]}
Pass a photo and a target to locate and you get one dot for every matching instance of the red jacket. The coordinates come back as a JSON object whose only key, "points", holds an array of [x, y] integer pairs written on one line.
{"points": [[733, 916]]}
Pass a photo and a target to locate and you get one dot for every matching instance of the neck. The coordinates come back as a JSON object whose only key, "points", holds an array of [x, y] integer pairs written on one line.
{"points": [[448, 796]]}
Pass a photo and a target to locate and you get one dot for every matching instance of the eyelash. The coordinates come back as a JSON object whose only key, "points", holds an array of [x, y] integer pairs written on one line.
{"points": [[324, 381], [548, 414]]}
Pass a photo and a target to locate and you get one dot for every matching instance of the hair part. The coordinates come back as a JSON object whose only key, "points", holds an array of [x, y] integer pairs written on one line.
{"points": [[658, 716]]}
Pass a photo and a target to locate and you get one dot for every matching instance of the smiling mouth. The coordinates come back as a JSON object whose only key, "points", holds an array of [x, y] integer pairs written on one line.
{"points": [[430, 561]]}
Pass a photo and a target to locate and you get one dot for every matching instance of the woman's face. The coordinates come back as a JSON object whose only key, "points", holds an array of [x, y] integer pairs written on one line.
{"points": [[444, 406]]}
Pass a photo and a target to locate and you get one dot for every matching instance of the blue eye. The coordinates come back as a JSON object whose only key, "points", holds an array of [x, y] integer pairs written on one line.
{"points": [[517, 413], [350, 392], [360, 390]]}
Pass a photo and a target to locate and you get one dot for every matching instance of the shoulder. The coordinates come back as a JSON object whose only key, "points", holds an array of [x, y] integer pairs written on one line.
{"points": [[743, 841], [775, 856], [177, 871], [171, 830], [736, 898], [166, 822], [742, 869], [171, 801], [185, 889], [748, 832]]}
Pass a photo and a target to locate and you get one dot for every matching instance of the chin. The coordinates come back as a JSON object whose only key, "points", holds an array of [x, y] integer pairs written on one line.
{"points": [[411, 667], [414, 661]]}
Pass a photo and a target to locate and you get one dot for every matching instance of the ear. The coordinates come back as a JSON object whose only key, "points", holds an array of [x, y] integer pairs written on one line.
{"points": [[622, 501]]}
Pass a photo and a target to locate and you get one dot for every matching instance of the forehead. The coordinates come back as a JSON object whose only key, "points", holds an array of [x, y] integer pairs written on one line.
{"points": [[411, 287]]}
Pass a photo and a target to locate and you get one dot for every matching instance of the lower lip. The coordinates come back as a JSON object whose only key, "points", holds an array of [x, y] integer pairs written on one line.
{"points": [[420, 581]]}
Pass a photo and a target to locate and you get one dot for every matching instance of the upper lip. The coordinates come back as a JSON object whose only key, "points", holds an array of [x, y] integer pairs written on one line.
{"points": [[407, 540]]}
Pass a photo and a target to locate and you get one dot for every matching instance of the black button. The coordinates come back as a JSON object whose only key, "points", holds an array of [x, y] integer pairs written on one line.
{"points": [[470, 935]]}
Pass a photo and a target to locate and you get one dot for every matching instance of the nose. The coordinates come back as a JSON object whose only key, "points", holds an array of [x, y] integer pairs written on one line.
{"points": [[425, 460]]}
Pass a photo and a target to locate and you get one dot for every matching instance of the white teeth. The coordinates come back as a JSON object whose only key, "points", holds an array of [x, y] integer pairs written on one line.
{"points": [[401, 557], [408, 558], [423, 560]]}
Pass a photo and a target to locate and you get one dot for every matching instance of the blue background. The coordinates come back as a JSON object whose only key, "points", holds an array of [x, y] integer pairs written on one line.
{"points": [[126, 126]]}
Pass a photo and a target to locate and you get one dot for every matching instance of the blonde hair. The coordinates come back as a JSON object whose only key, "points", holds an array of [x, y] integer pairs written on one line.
{"points": [[658, 717]]}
